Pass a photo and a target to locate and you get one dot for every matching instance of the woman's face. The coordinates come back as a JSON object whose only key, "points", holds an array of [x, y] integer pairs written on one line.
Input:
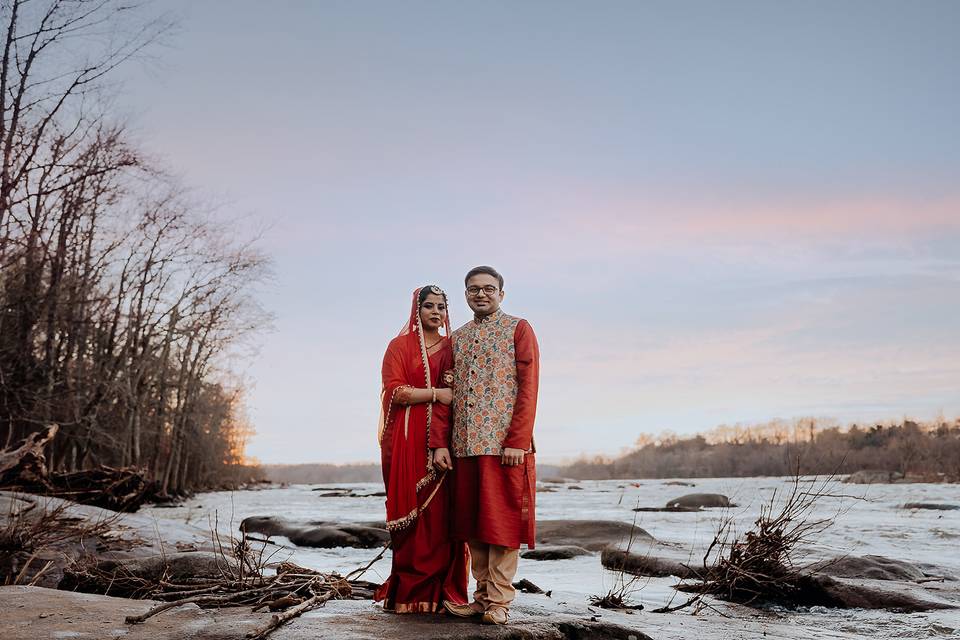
{"points": [[433, 312]]}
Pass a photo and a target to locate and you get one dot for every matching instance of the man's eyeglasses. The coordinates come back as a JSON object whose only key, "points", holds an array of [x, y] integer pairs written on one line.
{"points": [[475, 291]]}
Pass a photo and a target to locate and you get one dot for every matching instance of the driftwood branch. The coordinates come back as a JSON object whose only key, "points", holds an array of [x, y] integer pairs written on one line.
{"points": [[279, 619]]}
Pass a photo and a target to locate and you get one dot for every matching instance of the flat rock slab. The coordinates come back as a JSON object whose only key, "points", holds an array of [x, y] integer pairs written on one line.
{"points": [[33, 613], [361, 621]]}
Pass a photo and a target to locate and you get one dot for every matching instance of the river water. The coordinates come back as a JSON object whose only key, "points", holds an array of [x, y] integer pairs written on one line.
{"points": [[867, 519]]}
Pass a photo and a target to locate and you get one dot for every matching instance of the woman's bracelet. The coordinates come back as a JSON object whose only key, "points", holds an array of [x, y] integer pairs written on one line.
{"points": [[434, 394]]}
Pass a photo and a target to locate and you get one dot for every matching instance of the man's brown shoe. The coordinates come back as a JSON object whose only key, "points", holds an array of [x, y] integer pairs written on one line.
{"points": [[497, 615], [464, 610]]}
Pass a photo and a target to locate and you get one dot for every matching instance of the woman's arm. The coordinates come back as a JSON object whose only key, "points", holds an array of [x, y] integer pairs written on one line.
{"points": [[412, 395]]}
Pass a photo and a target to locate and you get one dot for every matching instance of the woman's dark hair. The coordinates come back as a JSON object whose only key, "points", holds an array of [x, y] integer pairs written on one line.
{"points": [[426, 290], [490, 271]]}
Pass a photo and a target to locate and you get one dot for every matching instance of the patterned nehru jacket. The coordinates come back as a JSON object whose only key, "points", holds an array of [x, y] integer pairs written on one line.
{"points": [[485, 379]]}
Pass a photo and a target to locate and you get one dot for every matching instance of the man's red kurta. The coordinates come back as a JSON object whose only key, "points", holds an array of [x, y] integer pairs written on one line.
{"points": [[494, 503]]}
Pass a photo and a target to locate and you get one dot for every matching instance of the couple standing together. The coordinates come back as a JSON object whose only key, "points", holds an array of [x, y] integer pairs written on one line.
{"points": [[457, 452]]}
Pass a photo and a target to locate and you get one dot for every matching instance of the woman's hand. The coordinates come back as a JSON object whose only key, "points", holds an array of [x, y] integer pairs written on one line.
{"points": [[444, 396], [442, 459]]}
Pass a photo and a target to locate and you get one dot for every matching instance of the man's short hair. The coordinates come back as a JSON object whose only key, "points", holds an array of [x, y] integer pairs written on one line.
{"points": [[490, 271]]}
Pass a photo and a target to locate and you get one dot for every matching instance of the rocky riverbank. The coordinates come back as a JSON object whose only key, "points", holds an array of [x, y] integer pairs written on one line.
{"points": [[147, 543]]}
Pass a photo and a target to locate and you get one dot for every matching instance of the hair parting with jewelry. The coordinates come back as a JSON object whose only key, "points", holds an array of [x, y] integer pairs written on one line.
{"points": [[426, 290]]}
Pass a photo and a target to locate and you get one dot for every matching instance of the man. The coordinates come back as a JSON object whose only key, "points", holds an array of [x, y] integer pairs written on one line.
{"points": [[495, 380]]}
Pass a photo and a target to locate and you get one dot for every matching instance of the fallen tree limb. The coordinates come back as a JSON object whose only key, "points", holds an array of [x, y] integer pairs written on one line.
{"points": [[279, 619]]}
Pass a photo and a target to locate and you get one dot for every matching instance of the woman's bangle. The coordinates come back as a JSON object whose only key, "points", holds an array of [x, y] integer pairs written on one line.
{"points": [[434, 394]]}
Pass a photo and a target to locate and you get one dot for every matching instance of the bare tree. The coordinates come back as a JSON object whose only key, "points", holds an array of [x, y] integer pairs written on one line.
{"points": [[119, 297]]}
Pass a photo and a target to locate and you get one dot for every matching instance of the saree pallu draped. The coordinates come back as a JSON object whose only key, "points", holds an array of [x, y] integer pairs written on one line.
{"points": [[428, 565]]}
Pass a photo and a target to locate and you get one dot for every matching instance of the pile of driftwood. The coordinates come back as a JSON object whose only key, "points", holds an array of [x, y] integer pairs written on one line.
{"points": [[291, 592], [24, 469], [229, 578], [757, 567]]}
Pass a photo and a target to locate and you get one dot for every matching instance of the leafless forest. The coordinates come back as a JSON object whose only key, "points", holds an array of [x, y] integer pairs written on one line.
{"points": [[908, 450], [121, 301]]}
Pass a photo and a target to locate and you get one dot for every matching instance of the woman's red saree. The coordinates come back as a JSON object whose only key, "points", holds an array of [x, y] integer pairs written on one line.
{"points": [[428, 566]]}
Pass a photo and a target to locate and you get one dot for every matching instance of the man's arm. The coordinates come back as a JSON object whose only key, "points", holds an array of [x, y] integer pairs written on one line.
{"points": [[527, 350]]}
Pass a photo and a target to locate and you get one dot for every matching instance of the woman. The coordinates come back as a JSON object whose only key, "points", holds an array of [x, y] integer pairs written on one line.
{"points": [[428, 567]]}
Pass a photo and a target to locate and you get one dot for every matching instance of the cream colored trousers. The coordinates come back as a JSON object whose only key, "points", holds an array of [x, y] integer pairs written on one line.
{"points": [[493, 568]]}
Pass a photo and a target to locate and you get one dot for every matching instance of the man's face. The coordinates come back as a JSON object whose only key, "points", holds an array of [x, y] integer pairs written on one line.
{"points": [[483, 294]]}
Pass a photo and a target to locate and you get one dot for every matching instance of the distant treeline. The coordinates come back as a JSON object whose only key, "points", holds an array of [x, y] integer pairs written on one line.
{"points": [[120, 300], [361, 472], [322, 473], [921, 450]]}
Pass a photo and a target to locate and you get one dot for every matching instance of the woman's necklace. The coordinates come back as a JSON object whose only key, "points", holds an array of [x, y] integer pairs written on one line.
{"points": [[431, 346]]}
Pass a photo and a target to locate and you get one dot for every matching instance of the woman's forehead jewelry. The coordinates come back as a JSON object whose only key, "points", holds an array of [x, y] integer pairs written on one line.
{"points": [[436, 290]]}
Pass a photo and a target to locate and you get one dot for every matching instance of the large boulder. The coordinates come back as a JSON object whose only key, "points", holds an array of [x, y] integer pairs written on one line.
{"points": [[593, 535], [700, 501], [868, 567], [644, 565], [319, 533], [846, 595]]}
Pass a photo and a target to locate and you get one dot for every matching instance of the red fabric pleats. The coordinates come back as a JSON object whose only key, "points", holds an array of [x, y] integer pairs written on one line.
{"points": [[428, 565], [494, 503]]}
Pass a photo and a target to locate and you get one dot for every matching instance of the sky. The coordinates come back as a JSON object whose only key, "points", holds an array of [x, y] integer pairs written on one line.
{"points": [[711, 213]]}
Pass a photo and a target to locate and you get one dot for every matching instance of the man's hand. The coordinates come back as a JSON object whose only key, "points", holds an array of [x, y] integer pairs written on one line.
{"points": [[442, 460], [511, 457], [444, 396]]}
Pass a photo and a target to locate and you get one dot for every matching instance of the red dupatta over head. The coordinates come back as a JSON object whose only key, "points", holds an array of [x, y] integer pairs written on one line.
{"points": [[403, 501]]}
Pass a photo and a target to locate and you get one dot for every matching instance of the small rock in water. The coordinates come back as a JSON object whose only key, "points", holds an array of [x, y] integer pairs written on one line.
{"points": [[701, 500], [558, 552], [931, 506], [526, 586]]}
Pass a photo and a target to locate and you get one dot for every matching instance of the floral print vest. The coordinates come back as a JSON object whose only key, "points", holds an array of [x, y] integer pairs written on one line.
{"points": [[485, 385]]}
